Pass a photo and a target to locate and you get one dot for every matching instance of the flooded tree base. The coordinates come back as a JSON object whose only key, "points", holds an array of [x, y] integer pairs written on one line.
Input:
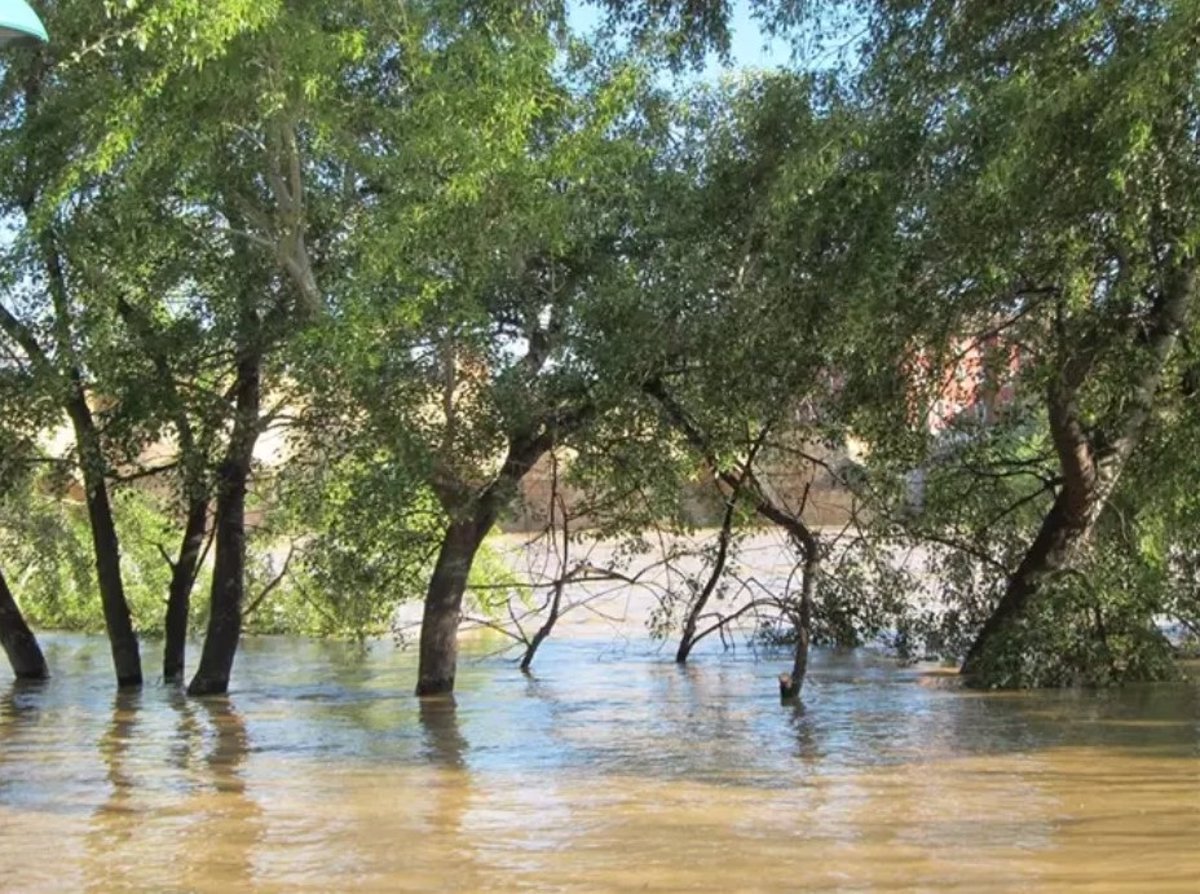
{"points": [[599, 775]]}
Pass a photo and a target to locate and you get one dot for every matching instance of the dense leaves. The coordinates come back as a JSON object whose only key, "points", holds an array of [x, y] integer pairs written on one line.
{"points": [[324, 282]]}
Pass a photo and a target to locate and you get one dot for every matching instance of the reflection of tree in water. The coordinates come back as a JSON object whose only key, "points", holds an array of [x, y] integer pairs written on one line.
{"points": [[114, 748], [446, 751], [444, 742], [20, 713], [224, 823], [808, 743], [187, 742], [229, 745], [115, 822]]}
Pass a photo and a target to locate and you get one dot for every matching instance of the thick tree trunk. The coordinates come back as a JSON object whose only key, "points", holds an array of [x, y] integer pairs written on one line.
{"points": [[229, 564], [1091, 458], [443, 601], [472, 519], [1061, 535], [21, 646], [107, 548], [228, 583], [179, 596]]}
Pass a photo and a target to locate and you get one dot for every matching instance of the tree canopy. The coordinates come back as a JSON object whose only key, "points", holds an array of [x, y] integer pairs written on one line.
{"points": [[295, 297]]}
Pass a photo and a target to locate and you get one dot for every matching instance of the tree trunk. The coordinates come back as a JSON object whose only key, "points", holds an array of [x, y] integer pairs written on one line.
{"points": [[183, 577], [687, 639], [558, 506], [791, 684], [21, 646], [1091, 460], [1061, 534], [229, 564], [228, 583], [443, 601], [107, 547], [183, 569]]}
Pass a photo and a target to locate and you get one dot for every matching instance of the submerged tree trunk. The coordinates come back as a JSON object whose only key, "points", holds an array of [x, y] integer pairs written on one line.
{"points": [[791, 684], [21, 646], [1058, 539], [229, 564], [688, 638], [1091, 458], [468, 528], [558, 512], [191, 548], [183, 577], [107, 548], [792, 522], [443, 601]]}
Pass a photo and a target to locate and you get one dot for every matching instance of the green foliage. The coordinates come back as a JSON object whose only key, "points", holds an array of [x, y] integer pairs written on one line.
{"points": [[364, 532], [455, 237], [1091, 628], [46, 543], [493, 587]]}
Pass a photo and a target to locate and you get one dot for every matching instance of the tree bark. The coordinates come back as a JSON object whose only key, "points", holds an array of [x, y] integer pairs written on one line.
{"points": [[106, 545], [229, 564], [1091, 461], [687, 639], [21, 646], [472, 517], [443, 601], [191, 548], [1061, 534], [791, 684], [183, 577]]}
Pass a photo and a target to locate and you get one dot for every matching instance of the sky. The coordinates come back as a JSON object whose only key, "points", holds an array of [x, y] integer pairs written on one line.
{"points": [[750, 48]]}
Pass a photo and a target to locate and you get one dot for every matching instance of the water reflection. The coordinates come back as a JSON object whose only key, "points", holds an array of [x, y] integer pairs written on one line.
{"points": [[115, 822], [19, 712], [321, 773], [224, 824], [444, 743]]}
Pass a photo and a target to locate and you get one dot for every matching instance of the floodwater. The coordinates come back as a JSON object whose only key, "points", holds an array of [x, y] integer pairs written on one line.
{"points": [[611, 770]]}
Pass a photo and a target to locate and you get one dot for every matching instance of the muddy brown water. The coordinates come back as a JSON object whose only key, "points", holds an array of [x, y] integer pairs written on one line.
{"points": [[611, 770]]}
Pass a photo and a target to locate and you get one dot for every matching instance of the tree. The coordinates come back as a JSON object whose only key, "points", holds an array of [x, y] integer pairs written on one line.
{"points": [[1051, 212], [748, 315], [501, 196], [132, 83]]}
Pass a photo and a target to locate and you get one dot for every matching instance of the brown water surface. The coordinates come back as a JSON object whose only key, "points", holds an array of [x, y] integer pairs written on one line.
{"points": [[610, 771]]}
